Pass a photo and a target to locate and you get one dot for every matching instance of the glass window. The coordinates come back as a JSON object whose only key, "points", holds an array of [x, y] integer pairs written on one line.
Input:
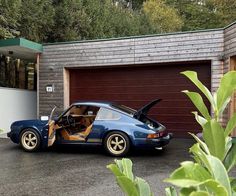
{"points": [[107, 114], [125, 109], [17, 73]]}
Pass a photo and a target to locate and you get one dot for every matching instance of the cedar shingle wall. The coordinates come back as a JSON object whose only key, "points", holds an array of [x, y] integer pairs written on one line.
{"points": [[194, 46], [229, 51]]}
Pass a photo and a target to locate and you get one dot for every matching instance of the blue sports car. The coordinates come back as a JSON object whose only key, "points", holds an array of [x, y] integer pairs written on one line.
{"points": [[116, 127]]}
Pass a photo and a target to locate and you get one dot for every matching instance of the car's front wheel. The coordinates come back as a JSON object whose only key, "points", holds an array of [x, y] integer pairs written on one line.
{"points": [[117, 143], [30, 140]]}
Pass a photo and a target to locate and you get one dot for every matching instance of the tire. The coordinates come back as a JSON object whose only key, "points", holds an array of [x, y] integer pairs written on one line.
{"points": [[30, 140], [117, 144]]}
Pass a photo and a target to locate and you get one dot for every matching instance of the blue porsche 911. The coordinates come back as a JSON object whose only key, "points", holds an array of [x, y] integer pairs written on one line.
{"points": [[114, 126]]}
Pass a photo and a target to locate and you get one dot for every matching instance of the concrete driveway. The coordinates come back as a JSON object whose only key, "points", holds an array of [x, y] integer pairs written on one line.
{"points": [[76, 170]]}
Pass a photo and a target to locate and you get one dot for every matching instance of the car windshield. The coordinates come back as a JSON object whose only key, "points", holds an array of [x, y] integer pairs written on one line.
{"points": [[125, 109]]}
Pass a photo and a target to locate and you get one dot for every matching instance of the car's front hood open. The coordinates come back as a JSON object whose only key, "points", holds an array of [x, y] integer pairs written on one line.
{"points": [[144, 110]]}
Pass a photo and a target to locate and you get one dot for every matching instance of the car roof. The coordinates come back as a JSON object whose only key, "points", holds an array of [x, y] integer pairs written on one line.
{"points": [[106, 104]]}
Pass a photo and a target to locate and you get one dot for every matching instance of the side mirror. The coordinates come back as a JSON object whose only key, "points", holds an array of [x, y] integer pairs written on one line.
{"points": [[44, 118]]}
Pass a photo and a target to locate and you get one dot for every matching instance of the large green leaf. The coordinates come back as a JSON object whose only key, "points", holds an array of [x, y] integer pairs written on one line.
{"points": [[214, 188], [143, 187], [230, 159], [230, 125], [125, 166], [219, 172], [116, 171], [228, 144], [187, 191], [119, 164], [188, 175], [214, 166], [171, 191], [213, 135], [225, 90], [127, 185], [201, 121], [200, 155], [192, 75], [199, 193], [201, 143], [199, 103], [233, 184]]}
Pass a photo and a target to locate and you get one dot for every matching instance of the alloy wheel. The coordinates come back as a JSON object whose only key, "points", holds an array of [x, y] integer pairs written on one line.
{"points": [[116, 144], [29, 140]]}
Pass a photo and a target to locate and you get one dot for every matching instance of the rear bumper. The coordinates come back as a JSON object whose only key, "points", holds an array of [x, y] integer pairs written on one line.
{"points": [[160, 142], [154, 143]]}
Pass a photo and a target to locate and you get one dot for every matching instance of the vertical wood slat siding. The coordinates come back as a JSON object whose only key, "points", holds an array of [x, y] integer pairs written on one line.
{"points": [[207, 45]]}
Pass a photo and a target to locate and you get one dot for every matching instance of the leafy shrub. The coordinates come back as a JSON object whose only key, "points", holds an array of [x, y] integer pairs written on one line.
{"points": [[129, 184], [214, 156]]}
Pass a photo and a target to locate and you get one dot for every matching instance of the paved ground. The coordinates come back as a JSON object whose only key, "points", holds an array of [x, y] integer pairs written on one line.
{"points": [[80, 171]]}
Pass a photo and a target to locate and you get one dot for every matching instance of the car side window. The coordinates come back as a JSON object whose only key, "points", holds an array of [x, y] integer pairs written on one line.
{"points": [[107, 114]]}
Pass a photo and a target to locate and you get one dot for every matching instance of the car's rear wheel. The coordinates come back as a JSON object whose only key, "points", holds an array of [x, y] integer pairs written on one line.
{"points": [[30, 140], [117, 143]]}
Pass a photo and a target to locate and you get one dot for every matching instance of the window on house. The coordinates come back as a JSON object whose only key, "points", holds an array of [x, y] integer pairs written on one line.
{"points": [[17, 73]]}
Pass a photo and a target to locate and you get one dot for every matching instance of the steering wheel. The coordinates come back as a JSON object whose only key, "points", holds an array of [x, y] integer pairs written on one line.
{"points": [[70, 120]]}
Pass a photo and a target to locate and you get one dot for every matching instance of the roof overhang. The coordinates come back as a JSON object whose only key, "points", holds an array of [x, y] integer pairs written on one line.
{"points": [[20, 48]]}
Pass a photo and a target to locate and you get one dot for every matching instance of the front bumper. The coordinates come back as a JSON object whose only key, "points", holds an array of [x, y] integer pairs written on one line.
{"points": [[13, 137]]}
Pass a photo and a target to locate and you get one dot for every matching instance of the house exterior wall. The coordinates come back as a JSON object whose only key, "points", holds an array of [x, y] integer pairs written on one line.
{"points": [[16, 105], [230, 41], [229, 53], [167, 48]]}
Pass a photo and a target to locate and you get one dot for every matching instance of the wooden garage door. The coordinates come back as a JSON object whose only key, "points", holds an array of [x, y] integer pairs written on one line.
{"points": [[135, 86]]}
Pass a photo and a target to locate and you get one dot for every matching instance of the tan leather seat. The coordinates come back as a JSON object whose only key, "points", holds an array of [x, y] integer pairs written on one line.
{"points": [[78, 136], [86, 132]]}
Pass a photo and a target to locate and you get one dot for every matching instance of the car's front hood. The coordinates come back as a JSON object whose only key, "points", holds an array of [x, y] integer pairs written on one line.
{"points": [[145, 109], [34, 122]]}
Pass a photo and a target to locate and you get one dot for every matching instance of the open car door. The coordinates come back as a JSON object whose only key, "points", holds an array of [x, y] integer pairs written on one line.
{"points": [[51, 129]]}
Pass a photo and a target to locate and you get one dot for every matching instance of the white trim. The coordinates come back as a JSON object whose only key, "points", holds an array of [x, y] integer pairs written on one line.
{"points": [[18, 89]]}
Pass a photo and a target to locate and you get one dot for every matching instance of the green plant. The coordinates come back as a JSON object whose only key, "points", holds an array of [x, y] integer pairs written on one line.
{"points": [[215, 155], [130, 185]]}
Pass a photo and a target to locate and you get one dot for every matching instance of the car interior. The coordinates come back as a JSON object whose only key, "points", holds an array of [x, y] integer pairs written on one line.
{"points": [[75, 124]]}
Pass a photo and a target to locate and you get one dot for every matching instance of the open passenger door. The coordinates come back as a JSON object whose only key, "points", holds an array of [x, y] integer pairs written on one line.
{"points": [[51, 129]]}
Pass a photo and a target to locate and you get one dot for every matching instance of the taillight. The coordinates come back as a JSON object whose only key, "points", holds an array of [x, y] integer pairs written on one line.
{"points": [[157, 135], [153, 136]]}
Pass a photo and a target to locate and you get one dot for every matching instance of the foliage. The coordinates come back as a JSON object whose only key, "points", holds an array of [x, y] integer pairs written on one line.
{"points": [[9, 15], [162, 17], [214, 156], [129, 184], [65, 20], [36, 19], [204, 14]]}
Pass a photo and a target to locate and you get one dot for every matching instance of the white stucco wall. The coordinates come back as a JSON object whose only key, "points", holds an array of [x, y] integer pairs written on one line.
{"points": [[16, 104]]}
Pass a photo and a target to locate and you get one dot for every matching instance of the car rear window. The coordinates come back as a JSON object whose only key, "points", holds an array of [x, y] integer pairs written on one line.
{"points": [[125, 109]]}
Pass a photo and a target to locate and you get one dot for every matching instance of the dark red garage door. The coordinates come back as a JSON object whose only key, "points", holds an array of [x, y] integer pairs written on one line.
{"points": [[135, 86]]}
